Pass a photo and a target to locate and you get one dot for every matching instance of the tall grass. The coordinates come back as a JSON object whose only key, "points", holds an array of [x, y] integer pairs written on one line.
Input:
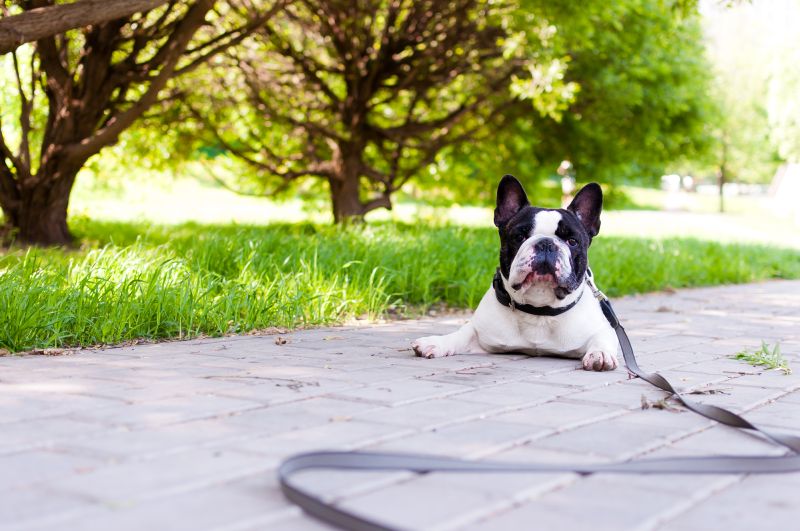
{"points": [[137, 281]]}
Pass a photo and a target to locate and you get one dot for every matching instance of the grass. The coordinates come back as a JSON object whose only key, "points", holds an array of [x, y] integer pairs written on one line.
{"points": [[134, 280], [771, 359]]}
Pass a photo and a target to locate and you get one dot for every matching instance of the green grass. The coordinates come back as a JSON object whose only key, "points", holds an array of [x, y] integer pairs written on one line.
{"points": [[771, 359], [139, 281]]}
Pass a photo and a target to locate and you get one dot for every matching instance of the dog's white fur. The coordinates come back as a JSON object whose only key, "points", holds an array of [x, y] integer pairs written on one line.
{"points": [[581, 332]]}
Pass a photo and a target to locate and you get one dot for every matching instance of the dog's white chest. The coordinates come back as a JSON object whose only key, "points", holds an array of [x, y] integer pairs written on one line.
{"points": [[501, 330]]}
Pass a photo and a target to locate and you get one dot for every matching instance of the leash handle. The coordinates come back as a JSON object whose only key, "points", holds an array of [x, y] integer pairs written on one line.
{"points": [[420, 463]]}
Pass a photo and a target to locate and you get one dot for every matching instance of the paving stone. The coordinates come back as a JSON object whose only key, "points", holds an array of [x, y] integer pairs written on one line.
{"points": [[756, 502], [122, 444], [615, 437], [42, 432], [561, 414], [35, 506], [300, 414], [39, 466], [740, 397], [334, 485], [484, 376], [16, 407], [237, 502], [135, 481], [776, 379], [430, 413], [517, 394], [724, 440], [627, 394], [779, 414], [295, 521], [167, 411], [187, 435], [474, 438], [394, 393], [343, 435], [581, 379], [421, 504], [590, 504]]}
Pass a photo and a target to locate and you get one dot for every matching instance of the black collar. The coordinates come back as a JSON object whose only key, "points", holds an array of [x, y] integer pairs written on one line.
{"points": [[505, 299]]}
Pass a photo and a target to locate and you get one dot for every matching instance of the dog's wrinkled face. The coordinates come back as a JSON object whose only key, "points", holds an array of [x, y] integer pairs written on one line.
{"points": [[544, 252]]}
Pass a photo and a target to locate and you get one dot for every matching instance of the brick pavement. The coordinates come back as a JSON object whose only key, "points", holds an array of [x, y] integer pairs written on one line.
{"points": [[186, 435]]}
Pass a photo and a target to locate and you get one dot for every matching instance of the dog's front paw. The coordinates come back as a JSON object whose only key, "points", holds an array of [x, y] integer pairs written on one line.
{"points": [[599, 361], [431, 347]]}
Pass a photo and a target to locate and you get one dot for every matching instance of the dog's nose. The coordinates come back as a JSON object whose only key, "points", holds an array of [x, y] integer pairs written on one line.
{"points": [[545, 245]]}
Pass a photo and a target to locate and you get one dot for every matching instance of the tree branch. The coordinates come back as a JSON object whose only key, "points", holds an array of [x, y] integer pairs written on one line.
{"points": [[243, 32], [308, 66], [194, 18], [26, 106], [319, 169], [384, 201], [42, 22], [6, 153]]}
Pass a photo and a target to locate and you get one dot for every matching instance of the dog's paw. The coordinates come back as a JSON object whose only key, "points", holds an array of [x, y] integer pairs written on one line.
{"points": [[599, 361], [431, 347]]}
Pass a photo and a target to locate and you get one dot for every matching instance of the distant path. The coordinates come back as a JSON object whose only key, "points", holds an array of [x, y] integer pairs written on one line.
{"points": [[186, 435]]}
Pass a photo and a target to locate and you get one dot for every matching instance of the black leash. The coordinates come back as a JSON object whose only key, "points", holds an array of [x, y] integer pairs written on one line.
{"points": [[421, 464]]}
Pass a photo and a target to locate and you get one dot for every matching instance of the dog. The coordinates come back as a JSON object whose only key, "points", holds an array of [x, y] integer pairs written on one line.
{"points": [[542, 298]]}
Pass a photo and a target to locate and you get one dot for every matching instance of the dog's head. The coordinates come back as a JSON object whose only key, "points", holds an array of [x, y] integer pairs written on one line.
{"points": [[544, 252]]}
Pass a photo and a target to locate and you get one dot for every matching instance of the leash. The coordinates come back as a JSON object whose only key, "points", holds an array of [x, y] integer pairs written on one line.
{"points": [[421, 464]]}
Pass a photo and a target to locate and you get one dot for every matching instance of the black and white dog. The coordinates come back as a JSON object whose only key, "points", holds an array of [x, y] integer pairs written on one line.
{"points": [[541, 301]]}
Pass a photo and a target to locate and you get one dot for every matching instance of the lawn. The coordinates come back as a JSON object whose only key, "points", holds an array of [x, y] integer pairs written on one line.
{"points": [[136, 280]]}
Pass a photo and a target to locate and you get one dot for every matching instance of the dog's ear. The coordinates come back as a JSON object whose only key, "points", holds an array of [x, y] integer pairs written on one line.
{"points": [[587, 204], [511, 199]]}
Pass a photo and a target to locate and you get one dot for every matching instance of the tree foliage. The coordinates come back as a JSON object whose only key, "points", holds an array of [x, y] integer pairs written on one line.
{"points": [[367, 96], [641, 98]]}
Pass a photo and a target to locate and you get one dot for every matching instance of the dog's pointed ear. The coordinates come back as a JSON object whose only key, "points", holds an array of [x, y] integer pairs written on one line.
{"points": [[511, 199], [587, 204]]}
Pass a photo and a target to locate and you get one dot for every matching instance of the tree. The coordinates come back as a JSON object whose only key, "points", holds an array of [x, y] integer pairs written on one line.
{"points": [[361, 94], [782, 105], [641, 97], [744, 131], [78, 91]]}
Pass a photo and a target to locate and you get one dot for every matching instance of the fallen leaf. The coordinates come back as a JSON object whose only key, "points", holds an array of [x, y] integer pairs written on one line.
{"points": [[711, 391], [662, 404]]}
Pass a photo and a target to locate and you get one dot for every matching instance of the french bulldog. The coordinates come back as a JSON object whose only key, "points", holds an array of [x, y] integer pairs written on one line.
{"points": [[541, 301]]}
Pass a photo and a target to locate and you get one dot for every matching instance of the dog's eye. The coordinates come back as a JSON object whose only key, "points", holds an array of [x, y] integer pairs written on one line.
{"points": [[572, 242]]}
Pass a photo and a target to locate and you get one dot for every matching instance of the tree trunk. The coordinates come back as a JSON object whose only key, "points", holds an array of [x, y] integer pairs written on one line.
{"points": [[39, 215], [345, 199], [345, 184]]}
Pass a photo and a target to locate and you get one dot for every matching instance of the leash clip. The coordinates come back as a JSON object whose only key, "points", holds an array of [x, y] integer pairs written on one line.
{"points": [[599, 295]]}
